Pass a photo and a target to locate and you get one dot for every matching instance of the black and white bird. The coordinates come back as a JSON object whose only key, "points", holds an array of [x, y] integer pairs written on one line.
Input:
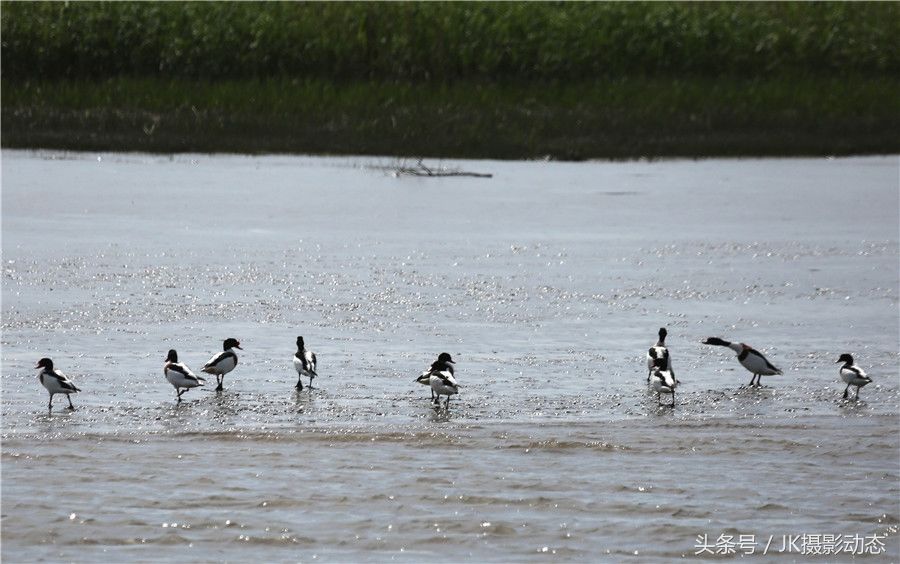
{"points": [[179, 375], [443, 382], [304, 364], [224, 362], [55, 381], [658, 355], [663, 382], [852, 374], [444, 362], [750, 358]]}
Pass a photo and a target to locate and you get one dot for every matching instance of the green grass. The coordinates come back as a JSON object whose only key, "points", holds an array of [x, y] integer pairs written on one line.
{"points": [[447, 41], [493, 79], [616, 118]]}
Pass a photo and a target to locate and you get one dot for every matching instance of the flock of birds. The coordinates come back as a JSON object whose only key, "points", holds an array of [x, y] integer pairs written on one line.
{"points": [[440, 375]]}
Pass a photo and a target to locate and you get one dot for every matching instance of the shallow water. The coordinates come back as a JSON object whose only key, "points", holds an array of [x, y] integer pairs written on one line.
{"points": [[547, 283]]}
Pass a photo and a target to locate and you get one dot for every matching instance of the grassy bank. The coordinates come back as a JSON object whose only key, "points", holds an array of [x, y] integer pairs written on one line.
{"points": [[615, 118], [507, 80], [447, 41]]}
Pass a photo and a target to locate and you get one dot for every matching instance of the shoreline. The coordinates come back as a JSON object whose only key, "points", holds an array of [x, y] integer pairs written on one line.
{"points": [[622, 119]]}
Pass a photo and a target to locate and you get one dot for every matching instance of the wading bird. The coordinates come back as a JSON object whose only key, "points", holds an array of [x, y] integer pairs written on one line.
{"points": [[750, 358], [663, 382], [659, 352], [304, 364], [224, 362], [55, 381], [852, 374], [443, 363], [439, 377], [179, 375]]}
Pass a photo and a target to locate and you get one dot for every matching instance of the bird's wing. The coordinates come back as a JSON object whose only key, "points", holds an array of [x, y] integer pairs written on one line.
{"points": [[217, 359], [311, 356], [181, 368], [64, 381], [858, 371], [447, 378]]}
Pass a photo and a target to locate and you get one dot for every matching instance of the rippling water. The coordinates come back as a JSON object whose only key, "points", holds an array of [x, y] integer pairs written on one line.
{"points": [[547, 283]]}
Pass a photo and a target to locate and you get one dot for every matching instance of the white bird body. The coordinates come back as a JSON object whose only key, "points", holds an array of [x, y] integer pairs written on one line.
{"points": [[750, 358], [224, 362], [179, 375], [443, 365], [852, 375], [658, 355], [304, 363], [55, 381], [663, 382], [425, 378], [443, 384], [58, 383]]}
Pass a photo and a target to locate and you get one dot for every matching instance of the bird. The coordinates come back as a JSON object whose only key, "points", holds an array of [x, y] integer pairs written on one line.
{"points": [[750, 358], [442, 381], [852, 374], [304, 364], [179, 375], [663, 382], [657, 353], [444, 362], [224, 362], [55, 381]]}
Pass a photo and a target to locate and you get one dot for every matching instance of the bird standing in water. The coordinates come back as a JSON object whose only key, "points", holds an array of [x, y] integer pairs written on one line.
{"points": [[224, 362], [444, 362], [658, 355], [852, 374], [55, 381], [179, 375], [304, 364], [750, 358]]}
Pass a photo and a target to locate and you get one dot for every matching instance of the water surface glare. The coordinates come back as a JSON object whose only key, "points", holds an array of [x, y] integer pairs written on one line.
{"points": [[547, 283]]}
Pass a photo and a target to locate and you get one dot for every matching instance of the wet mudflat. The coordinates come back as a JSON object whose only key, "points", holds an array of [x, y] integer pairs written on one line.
{"points": [[547, 283]]}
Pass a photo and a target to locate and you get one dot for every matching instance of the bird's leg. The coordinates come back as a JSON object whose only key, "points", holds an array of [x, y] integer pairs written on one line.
{"points": [[50, 405], [299, 385], [68, 397], [219, 378], [857, 393], [750, 385], [673, 398], [310, 382], [845, 391]]}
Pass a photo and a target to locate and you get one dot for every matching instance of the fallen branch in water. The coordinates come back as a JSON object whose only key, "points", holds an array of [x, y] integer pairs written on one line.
{"points": [[421, 170]]}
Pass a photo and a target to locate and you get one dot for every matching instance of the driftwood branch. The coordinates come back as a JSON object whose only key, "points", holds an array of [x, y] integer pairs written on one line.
{"points": [[420, 169]]}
